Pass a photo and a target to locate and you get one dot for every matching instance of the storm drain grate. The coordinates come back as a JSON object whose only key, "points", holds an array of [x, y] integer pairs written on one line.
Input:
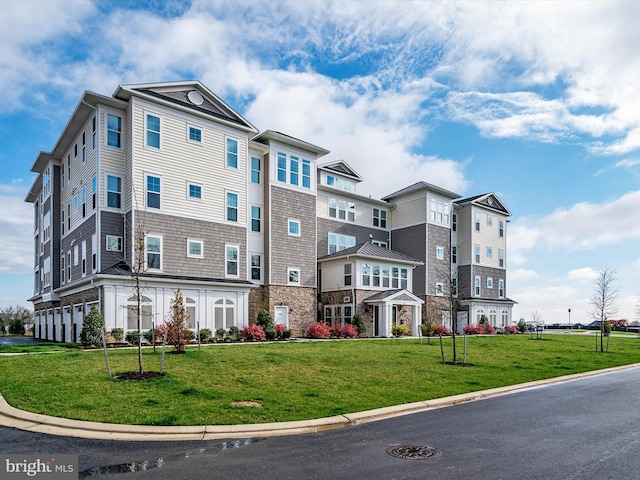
{"points": [[414, 452]]}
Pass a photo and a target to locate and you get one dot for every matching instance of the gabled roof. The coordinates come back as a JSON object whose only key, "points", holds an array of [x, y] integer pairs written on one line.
{"points": [[369, 250], [267, 135], [486, 200], [397, 295], [341, 168], [190, 95], [420, 186]]}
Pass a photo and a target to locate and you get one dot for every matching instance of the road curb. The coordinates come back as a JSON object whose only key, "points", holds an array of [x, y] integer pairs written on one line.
{"points": [[35, 422]]}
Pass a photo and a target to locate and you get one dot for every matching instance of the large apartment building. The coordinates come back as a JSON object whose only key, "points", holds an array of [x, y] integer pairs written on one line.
{"points": [[238, 220]]}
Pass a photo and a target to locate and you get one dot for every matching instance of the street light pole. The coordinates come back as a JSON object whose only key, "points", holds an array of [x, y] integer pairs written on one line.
{"points": [[569, 318]]}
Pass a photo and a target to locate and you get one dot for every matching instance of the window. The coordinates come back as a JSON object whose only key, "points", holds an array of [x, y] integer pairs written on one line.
{"points": [[477, 253], [153, 191], [69, 216], [501, 257], [153, 247], [84, 147], [256, 267], [439, 211], [195, 134], [255, 170], [340, 242], [376, 276], [146, 315], [232, 207], [114, 243], [477, 287], [255, 218], [83, 198], [439, 288], [501, 288], [489, 252], [293, 275], [294, 166], [231, 256], [404, 274], [347, 275], [62, 175], [379, 218], [224, 313], [94, 185], [194, 248], [194, 191], [114, 131], [94, 253], [379, 243], [294, 227], [75, 151], [69, 167], [190, 307], [93, 132], [489, 282], [282, 167], [440, 253], [477, 226], [232, 153], [46, 182], [46, 272], [153, 131], [454, 225], [114, 191], [365, 271], [501, 228], [62, 220], [84, 258], [489, 221], [492, 317], [385, 276], [46, 227], [454, 254], [75, 256], [342, 209], [62, 268], [69, 265], [306, 173], [75, 202]]}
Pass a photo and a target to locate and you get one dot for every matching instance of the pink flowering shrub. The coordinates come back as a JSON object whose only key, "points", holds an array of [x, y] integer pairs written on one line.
{"points": [[318, 330], [441, 330], [282, 332], [469, 329], [160, 329], [253, 333], [349, 331], [490, 329], [511, 329], [335, 330]]}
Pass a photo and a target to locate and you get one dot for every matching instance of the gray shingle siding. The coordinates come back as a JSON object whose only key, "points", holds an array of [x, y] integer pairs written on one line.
{"points": [[175, 231], [112, 223], [411, 241], [81, 233], [291, 251]]}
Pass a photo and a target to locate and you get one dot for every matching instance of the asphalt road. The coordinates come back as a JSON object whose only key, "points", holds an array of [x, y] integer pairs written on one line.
{"points": [[585, 429]]}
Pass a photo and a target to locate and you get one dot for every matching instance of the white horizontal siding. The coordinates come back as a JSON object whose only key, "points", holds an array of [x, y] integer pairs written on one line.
{"points": [[410, 212]]}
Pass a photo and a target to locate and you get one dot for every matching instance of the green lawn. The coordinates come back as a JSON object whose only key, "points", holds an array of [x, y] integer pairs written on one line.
{"points": [[292, 381]]}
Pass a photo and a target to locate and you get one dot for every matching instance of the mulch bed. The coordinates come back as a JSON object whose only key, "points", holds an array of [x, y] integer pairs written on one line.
{"points": [[139, 376]]}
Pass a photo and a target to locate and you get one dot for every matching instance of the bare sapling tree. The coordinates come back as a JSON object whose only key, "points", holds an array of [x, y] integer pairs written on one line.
{"points": [[448, 278], [604, 298], [137, 269], [178, 328]]}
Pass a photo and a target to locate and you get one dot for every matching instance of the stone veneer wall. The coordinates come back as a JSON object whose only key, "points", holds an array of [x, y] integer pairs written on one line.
{"points": [[434, 306], [301, 302]]}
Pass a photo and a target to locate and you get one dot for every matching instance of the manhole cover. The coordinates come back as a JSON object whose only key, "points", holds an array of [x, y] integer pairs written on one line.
{"points": [[414, 452]]}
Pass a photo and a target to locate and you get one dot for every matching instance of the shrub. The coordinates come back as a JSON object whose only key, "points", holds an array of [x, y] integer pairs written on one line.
{"points": [[469, 329], [318, 330], [16, 326], [265, 320], [132, 337], [117, 334], [349, 331], [428, 328], [399, 330], [358, 322], [607, 327], [205, 335], [522, 325], [149, 334], [253, 333], [490, 329], [92, 328], [441, 330], [220, 333], [335, 330], [282, 332], [511, 329], [233, 332]]}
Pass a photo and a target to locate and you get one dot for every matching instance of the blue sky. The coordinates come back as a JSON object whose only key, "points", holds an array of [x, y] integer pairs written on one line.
{"points": [[535, 101]]}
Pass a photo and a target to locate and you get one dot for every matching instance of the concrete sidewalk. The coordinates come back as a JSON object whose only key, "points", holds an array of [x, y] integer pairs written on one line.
{"points": [[13, 417]]}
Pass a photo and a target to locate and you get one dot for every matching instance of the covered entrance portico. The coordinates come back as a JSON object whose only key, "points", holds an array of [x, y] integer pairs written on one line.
{"points": [[395, 307]]}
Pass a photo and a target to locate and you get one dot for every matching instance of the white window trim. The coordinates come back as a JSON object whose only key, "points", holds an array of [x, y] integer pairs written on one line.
{"points": [[440, 289], [106, 190], [291, 221], [109, 239], [489, 282], [226, 207], [251, 255], [146, 243], [440, 253], [189, 197], [146, 130], [146, 190], [226, 151], [477, 283], [289, 270], [189, 139], [106, 132], [191, 255], [227, 246]]}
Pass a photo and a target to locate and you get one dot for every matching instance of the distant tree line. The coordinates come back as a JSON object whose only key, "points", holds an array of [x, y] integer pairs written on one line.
{"points": [[15, 320]]}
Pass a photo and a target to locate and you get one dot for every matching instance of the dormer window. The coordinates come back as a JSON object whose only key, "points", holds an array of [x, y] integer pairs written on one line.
{"points": [[340, 183]]}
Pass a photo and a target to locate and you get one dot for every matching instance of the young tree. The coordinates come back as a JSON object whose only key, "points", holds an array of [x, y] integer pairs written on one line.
{"points": [[92, 328], [603, 300], [178, 332], [448, 278]]}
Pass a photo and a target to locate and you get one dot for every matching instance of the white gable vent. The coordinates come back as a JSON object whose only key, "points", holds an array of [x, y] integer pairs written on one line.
{"points": [[195, 97]]}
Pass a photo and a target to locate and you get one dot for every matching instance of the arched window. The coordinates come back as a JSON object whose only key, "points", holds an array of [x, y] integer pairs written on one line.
{"points": [[224, 313], [504, 317], [493, 316], [146, 307], [479, 315]]}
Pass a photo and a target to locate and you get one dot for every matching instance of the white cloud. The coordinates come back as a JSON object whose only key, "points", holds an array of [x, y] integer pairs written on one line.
{"points": [[16, 225], [522, 274], [583, 274]]}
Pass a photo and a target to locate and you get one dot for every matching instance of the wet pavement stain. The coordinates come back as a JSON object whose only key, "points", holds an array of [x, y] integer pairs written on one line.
{"points": [[143, 465]]}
